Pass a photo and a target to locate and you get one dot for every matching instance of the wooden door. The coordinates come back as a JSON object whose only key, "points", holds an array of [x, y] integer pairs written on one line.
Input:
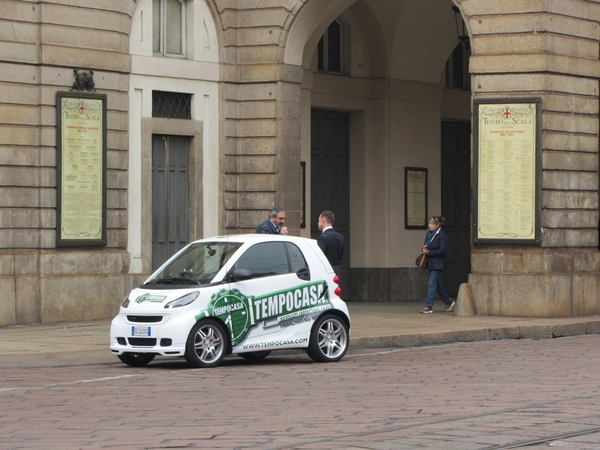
{"points": [[169, 197], [456, 202], [330, 179]]}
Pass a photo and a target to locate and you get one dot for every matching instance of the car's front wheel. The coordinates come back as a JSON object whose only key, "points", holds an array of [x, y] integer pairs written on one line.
{"points": [[329, 339], [255, 356], [136, 359], [207, 344]]}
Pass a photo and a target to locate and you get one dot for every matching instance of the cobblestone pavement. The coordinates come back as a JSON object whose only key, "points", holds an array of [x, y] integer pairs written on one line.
{"points": [[473, 395]]}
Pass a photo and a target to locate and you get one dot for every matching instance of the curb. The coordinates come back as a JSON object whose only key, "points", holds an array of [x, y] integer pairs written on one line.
{"points": [[477, 335]]}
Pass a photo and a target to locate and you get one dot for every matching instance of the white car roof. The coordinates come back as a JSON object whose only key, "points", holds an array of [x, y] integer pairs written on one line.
{"points": [[252, 238]]}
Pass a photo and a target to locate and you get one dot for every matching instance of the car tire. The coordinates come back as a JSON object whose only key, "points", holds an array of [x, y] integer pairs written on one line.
{"points": [[136, 359], [329, 339], [255, 356], [206, 345]]}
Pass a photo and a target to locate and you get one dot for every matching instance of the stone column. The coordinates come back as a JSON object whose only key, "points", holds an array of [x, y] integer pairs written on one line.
{"points": [[544, 49]]}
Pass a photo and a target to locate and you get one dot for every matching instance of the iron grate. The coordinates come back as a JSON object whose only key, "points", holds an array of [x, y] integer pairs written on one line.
{"points": [[171, 105]]}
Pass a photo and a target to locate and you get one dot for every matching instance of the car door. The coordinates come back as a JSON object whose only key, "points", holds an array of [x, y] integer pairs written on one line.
{"points": [[260, 311]]}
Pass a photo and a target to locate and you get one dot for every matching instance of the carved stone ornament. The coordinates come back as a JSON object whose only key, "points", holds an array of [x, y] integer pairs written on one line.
{"points": [[84, 81]]}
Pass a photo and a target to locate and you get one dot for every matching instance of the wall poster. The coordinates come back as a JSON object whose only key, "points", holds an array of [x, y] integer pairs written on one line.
{"points": [[507, 171], [81, 169], [415, 198]]}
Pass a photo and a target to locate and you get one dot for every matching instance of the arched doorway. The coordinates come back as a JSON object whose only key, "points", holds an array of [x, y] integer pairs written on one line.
{"points": [[389, 81]]}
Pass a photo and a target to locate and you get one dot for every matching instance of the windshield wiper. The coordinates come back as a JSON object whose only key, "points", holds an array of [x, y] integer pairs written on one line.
{"points": [[173, 280]]}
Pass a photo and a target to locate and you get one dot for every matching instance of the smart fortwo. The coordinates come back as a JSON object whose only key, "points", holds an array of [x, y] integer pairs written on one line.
{"points": [[243, 294]]}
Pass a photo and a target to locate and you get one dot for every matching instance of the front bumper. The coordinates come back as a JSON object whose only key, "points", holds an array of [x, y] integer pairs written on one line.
{"points": [[166, 337]]}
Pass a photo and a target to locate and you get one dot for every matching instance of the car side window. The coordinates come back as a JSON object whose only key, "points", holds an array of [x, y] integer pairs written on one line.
{"points": [[268, 258], [297, 260]]}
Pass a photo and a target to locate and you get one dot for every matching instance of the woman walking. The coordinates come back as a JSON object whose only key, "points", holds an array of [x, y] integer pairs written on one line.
{"points": [[436, 243]]}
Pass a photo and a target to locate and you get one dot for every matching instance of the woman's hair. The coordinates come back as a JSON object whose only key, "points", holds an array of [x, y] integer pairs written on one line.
{"points": [[438, 220]]}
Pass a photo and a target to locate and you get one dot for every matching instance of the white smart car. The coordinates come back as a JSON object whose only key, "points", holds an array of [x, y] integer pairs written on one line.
{"points": [[243, 294]]}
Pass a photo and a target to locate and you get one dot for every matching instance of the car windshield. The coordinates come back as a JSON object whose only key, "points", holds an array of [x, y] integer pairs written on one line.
{"points": [[197, 264]]}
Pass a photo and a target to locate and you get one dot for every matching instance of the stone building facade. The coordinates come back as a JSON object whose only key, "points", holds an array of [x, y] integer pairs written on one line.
{"points": [[308, 105]]}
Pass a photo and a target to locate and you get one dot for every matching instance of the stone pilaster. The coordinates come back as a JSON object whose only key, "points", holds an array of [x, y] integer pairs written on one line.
{"points": [[548, 50], [261, 162]]}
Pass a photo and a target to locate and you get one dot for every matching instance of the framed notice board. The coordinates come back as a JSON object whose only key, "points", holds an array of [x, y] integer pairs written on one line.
{"points": [[507, 171], [415, 198], [81, 169]]}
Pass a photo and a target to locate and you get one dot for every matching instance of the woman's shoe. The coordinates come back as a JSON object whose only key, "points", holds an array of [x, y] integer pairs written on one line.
{"points": [[426, 310], [449, 306]]}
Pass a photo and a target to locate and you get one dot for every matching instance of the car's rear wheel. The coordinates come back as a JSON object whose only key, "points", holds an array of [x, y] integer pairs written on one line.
{"points": [[329, 339], [136, 359], [255, 356], [207, 344]]}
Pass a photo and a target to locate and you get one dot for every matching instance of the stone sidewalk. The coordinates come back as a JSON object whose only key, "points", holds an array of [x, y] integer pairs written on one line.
{"points": [[374, 325]]}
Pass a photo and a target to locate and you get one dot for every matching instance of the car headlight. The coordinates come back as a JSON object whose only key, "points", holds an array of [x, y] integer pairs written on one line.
{"points": [[125, 302], [183, 301]]}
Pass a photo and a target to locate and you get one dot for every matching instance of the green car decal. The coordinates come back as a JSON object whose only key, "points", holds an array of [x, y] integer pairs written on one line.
{"points": [[150, 298], [285, 308]]}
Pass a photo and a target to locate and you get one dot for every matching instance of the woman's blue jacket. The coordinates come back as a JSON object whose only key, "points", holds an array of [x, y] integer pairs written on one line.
{"points": [[436, 259]]}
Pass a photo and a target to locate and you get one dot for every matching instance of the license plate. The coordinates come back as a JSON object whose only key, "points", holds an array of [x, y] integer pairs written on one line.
{"points": [[141, 331]]}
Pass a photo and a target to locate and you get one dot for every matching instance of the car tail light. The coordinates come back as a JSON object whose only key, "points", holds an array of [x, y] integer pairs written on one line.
{"points": [[338, 290]]}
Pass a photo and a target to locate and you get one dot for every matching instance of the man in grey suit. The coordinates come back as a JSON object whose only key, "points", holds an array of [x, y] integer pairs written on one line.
{"points": [[275, 224], [330, 241]]}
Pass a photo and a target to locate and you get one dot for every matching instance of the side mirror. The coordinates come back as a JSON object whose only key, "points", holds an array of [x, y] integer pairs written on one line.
{"points": [[240, 275], [303, 273]]}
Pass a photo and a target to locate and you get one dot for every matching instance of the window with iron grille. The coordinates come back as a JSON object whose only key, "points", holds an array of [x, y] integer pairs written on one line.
{"points": [[172, 105]]}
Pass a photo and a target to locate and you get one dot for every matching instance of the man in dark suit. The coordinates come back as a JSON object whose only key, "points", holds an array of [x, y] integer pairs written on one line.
{"points": [[330, 241], [275, 224]]}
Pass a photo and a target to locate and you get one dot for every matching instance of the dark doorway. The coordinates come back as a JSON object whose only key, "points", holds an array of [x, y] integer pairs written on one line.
{"points": [[169, 197], [330, 173], [456, 202]]}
